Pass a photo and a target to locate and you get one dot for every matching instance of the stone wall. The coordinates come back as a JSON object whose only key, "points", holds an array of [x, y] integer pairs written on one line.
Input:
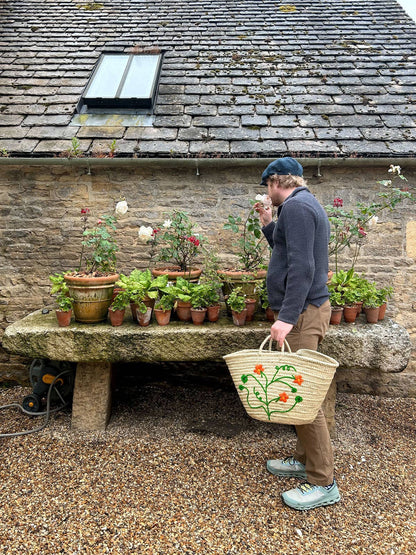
{"points": [[40, 226]]}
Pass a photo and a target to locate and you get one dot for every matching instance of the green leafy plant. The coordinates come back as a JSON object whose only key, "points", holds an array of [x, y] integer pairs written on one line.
{"points": [[349, 228], [237, 300], [176, 240], [250, 243], [384, 294], [140, 285], [201, 296], [99, 248], [166, 301], [121, 301], [60, 290], [261, 290]]}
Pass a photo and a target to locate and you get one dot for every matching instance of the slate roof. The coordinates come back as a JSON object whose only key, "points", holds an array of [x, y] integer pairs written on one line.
{"points": [[239, 79]]}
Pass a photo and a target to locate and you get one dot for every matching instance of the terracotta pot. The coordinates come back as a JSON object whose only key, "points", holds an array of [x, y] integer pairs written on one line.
{"points": [[359, 307], [239, 318], [183, 311], [213, 313], [239, 278], [92, 296], [251, 309], [173, 273], [143, 319], [198, 315], [63, 317], [382, 311], [133, 306], [372, 314], [270, 314], [116, 291], [162, 316], [116, 316], [336, 315], [350, 314]]}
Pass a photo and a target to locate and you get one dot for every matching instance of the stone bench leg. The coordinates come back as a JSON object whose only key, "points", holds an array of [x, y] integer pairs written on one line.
{"points": [[91, 403], [328, 406]]}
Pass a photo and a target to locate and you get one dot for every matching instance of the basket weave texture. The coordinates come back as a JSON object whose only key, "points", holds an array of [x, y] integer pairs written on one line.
{"points": [[279, 386]]}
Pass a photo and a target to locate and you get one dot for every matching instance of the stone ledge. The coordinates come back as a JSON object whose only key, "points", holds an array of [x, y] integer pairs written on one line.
{"points": [[384, 346]]}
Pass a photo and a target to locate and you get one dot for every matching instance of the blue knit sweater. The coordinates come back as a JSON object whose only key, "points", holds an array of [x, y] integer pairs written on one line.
{"points": [[298, 269]]}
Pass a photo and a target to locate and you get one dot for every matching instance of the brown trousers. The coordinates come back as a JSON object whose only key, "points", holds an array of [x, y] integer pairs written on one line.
{"points": [[313, 447]]}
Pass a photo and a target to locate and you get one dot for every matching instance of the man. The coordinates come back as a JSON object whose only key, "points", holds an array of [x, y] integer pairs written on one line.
{"points": [[297, 292]]}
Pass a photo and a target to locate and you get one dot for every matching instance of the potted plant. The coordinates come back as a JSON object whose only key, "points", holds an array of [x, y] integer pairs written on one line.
{"points": [[251, 249], [163, 308], [63, 301], [182, 290], [264, 299], [372, 303], [142, 289], [237, 303], [177, 243], [91, 284], [117, 308], [200, 300], [337, 308], [384, 294], [211, 280]]}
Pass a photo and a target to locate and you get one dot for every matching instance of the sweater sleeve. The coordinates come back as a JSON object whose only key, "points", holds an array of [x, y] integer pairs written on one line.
{"points": [[299, 225], [268, 232]]}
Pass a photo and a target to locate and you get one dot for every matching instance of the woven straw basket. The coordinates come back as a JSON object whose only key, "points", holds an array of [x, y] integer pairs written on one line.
{"points": [[279, 386]]}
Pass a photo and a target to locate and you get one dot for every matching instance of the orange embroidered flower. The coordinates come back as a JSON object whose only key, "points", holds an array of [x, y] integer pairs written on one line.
{"points": [[298, 379], [283, 397], [259, 369]]}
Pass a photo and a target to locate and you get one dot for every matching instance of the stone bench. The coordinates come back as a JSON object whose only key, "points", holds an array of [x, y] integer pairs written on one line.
{"points": [[383, 347]]}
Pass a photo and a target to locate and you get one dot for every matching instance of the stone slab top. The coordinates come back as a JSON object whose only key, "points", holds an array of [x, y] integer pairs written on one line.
{"points": [[384, 346], [246, 78]]}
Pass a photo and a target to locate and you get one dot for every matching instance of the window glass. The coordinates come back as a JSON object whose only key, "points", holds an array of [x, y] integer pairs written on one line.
{"points": [[108, 76], [140, 78]]}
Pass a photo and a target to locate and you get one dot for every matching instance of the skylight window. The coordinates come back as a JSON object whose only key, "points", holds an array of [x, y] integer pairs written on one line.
{"points": [[122, 81]]}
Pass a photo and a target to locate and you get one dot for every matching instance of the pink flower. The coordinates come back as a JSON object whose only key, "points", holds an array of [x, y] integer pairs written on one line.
{"points": [[361, 231], [338, 202]]}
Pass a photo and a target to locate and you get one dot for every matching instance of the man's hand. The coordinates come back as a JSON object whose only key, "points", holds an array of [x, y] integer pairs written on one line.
{"points": [[279, 331], [264, 212]]}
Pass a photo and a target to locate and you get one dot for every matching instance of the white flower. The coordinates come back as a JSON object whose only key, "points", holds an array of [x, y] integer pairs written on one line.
{"points": [[121, 208], [395, 169], [265, 200], [372, 222], [146, 233], [167, 223]]}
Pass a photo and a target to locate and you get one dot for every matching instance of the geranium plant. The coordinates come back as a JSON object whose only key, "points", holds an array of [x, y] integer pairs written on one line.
{"points": [[175, 241], [60, 290], [350, 227], [99, 247], [250, 242]]}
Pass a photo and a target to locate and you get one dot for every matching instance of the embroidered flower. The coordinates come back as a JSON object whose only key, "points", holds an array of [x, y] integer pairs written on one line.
{"points": [[283, 397], [298, 379], [259, 369]]}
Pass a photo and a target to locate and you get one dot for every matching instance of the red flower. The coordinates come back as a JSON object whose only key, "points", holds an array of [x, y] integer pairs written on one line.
{"points": [[156, 230], [259, 369], [85, 210], [298, 379], [338, 202], [193, 240], [361, 231], [283, 397]]}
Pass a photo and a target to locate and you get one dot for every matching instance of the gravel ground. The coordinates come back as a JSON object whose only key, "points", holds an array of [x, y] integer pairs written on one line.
{"points": [[181, 470]]}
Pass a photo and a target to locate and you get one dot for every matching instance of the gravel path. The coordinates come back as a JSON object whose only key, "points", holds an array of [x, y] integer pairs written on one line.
{"points": [[181, 470]]}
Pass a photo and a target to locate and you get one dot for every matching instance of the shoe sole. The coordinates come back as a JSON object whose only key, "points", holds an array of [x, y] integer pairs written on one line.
{"points": [[322, 503], [288, 474]]}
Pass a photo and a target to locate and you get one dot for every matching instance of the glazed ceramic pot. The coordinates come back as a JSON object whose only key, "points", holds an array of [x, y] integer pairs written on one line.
{"points": [[92, 296]]}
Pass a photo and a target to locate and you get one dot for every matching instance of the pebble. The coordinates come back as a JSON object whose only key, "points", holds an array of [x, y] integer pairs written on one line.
{"points": [[156, 482]]}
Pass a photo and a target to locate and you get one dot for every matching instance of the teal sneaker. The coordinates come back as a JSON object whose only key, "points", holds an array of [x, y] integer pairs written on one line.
{"points": [[289, 467], [308, 496]]}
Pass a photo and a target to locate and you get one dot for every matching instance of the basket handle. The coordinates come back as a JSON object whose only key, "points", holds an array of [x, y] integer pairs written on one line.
{"points": [[269, 338]]}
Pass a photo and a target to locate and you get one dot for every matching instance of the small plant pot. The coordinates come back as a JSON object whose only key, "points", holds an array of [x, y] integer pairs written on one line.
{"points": [[359, 307], [251, 309], [382, 311], [143, 319], [239, 318], [270, 314], [183, 311], [336, 315], [198, 315], [213, 313], [350, 314], [372, 314], [116, 317], [63, 317], [162, 316], [133, 306]]}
